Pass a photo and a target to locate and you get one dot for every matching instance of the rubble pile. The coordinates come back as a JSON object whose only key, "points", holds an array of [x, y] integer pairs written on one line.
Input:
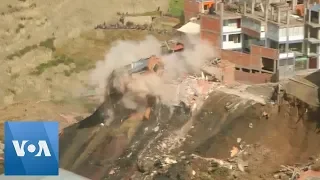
{"points": [[300, 171], [192, 90], [132, 26]]}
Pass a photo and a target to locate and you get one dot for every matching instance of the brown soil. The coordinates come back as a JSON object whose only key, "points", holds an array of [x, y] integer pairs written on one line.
{"points": [[280, 139]]}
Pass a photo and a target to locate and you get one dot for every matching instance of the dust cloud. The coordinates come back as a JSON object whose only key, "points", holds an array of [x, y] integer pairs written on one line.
{"points": [[176, 65]]}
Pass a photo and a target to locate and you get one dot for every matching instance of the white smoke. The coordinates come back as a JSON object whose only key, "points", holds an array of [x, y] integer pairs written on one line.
{"points": [[122, 53]]}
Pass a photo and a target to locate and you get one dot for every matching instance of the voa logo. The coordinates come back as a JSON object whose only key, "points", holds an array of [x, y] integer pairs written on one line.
{"points": [[41, 148]]}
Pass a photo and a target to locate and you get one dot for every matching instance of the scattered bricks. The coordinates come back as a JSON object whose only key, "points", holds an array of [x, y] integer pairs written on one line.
{"points": [[203, 86]]}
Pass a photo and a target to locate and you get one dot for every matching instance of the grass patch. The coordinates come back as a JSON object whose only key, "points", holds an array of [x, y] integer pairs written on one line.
{"points": [[176, 8], [22, 52], [20, 26], [48, 43], [55, 62], [80, 65]]}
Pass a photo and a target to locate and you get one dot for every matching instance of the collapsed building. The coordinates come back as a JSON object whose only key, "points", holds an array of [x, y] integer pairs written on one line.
{"points": [[184, 89], [267, 40]]}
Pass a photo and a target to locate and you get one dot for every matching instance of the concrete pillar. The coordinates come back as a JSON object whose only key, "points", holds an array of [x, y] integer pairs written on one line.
{"points": [[287, 30], [245, 7], [279, 15], [216, 6], [252, 6], [272, 14], [288, 17], [221, 9], [304, 46], [266, 24], [293, 4], [309, 15], [221, 22]]}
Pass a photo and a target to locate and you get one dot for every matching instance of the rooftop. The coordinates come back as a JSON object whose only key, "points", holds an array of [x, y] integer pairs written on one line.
{"points": [[229, 15], [294, 20]]}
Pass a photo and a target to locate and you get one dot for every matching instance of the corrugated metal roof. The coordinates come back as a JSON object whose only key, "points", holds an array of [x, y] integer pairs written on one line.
{"points": [[139, 65], [190, 28], [63, 175]]}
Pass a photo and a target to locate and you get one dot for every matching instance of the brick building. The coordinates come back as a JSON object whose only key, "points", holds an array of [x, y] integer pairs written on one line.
{"points": [[265, 45], [192, 8]]}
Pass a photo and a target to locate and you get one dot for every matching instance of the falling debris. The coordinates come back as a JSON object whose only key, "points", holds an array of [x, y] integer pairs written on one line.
{"points": [[250, 125], [239, 140], [112, 172], [156, 129], [193, 172], [170, 161], [234, 151], [265, 115], [240, 167], [222, 163]]}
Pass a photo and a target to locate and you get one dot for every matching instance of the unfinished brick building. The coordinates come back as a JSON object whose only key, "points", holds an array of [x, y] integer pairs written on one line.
{"points": [[223, 30], [312, 27], [192, 8], [265, 40]]}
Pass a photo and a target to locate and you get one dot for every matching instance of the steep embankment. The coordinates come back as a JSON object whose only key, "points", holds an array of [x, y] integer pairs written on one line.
{"points": [[161, 148]]}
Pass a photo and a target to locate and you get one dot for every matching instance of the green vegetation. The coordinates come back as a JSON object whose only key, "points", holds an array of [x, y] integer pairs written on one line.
{"points": [[20, 26], [80, 65], [176, 8], [48, 43], [22, 52]]}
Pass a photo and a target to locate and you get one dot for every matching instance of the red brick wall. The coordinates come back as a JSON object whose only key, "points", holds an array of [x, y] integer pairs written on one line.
{"points": [[211, 29], [228, 70], [252, 60], [255, 78], [237, 58], [265, 52], [250, 32], [191, 9], [210, 23]]}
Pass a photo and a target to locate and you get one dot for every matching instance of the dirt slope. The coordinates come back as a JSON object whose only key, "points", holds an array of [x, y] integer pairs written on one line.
{"points": [[161, 148], [46, 45]]}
